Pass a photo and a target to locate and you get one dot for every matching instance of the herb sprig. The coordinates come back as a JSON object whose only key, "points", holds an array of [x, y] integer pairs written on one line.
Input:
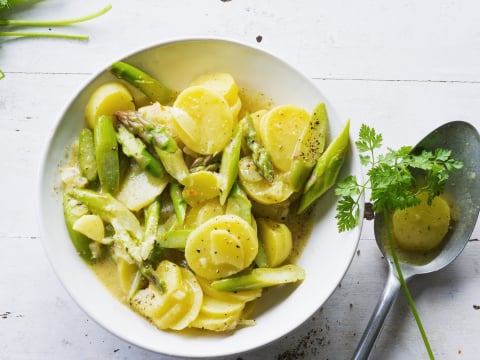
{"points": [[391, 178], [394, 182]]}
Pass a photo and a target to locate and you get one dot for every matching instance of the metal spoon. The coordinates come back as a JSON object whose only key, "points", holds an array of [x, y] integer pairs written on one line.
{"points": [[463, 188]]}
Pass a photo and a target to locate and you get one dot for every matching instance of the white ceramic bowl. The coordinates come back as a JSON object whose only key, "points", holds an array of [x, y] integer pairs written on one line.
{"points": [[325, 259]]}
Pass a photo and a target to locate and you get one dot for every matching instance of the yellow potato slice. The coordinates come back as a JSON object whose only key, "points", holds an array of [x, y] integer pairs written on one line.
{"points": [[222, 246], [222, 83], [202, 186], [126, 273], [235, 108], [175, 307], [422, 227], [91, 226], [209, 127], [140, 188], [259, 189], [197, 215], [280, 130], [215, 324], [187, 304], [152, 303], [215, 308], [256, 118], [106, 100], [277, 240]]}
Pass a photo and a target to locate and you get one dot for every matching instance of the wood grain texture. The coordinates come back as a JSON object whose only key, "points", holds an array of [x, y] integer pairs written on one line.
{"points": [[403, 67]]}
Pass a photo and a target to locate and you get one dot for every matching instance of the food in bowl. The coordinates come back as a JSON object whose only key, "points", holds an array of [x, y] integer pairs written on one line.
{"points": [[192, 204], [326, 255]]}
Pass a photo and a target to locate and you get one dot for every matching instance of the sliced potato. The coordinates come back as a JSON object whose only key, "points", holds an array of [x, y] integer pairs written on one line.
{"points": [[197, 215], [277, 240], [222, 246], [222, 83], [106, 100], [201, 186], [259, 189], [216, 308], [209, 126], [256, 118], [140, 188], [91, 226], [175, 307], [280, 130], [422, 227], [215, 324], [126, 273]]}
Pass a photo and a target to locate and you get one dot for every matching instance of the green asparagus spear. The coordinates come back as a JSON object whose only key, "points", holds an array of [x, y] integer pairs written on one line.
{"points": [[174, 239], [110, 210], [151, 87], [260, 278], [106, 151], [72, 209], [179, 204], [326, 170], [161, 140], [260, 156], [239, 204], [135, 148], [152, 217], [310, 147], [207, 162], [86, 155], [229, 164]]}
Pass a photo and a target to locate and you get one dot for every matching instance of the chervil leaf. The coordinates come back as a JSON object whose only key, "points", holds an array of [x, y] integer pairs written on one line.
{"points": [[368, 139], [348, 213], [394, 178]]}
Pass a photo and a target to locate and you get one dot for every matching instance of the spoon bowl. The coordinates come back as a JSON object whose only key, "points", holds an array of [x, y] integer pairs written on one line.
{"points": [[463, 191]]}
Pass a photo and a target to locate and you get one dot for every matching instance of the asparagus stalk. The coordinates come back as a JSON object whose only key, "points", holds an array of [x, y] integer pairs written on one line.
{"points": [[72, 211], [325, 172], [239, 204], [135, 148], [106, 154], [179, 204], [86, 155], [150, 86], [309, 148], [229, 164], [163, 143], [260, 156], [260, 278], [174, 239]]}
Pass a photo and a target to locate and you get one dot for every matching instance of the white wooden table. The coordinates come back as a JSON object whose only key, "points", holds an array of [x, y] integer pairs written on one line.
{"points": [[403, 67]]}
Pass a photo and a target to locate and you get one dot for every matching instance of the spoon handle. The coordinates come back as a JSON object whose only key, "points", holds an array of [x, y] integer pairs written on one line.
{"points": [[390, 292]]}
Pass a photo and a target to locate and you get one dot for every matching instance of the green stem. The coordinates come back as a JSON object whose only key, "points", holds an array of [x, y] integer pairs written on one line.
{"points": [[405, 287], [43, 35], [48, 23]]}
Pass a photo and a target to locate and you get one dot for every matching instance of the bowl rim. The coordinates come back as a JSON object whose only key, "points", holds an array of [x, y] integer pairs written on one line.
{"points": [[41, 185]]}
